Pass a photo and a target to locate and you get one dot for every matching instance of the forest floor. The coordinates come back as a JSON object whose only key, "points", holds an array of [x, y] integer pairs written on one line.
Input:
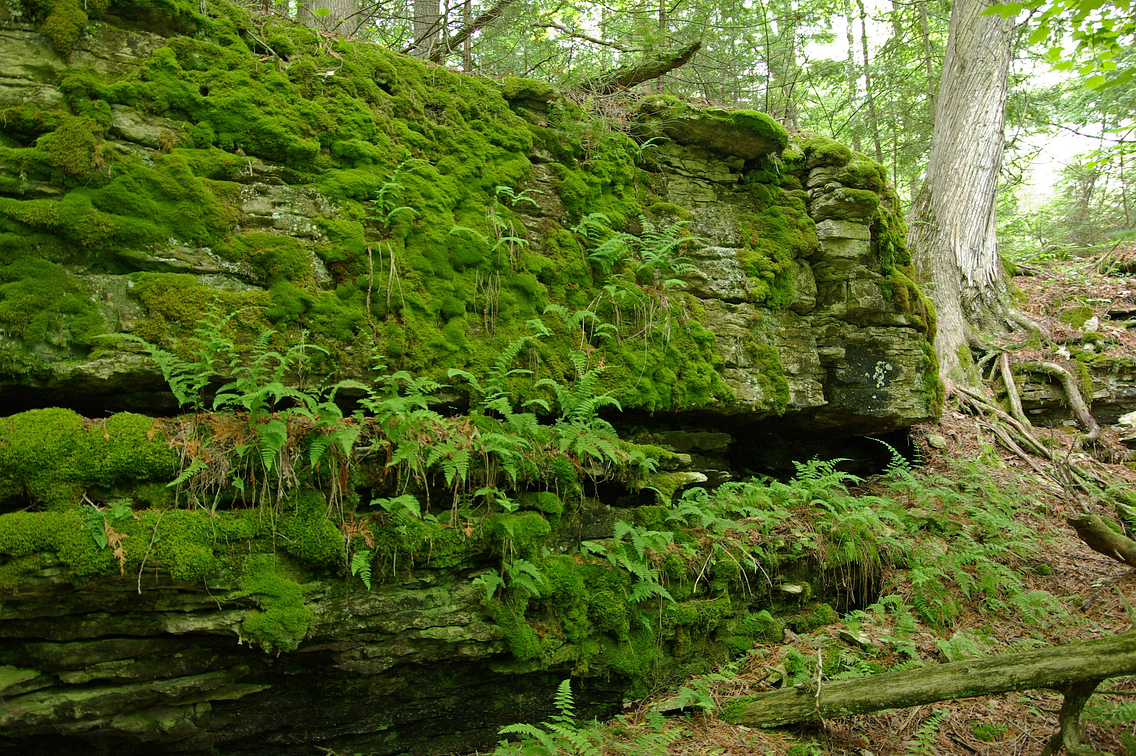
{"points": [[1087, 586]]}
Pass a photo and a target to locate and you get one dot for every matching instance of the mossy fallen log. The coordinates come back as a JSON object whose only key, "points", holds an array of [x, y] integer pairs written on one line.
{"points": [[652, 66], [1070, 668]]}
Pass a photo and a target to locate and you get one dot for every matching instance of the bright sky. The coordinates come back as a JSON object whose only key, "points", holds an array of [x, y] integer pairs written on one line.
{"points": [[1056, 150]]}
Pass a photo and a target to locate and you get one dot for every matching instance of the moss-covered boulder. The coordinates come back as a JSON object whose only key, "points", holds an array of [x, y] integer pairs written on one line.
{"points": [[399, 215]]}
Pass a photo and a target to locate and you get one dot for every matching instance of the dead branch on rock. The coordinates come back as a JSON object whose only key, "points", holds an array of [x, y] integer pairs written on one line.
{"points": [[1072, 394], [650, 67]]}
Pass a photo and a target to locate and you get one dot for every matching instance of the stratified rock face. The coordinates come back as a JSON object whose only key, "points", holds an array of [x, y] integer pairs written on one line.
{"points": [[379, 207], [220, 180], [396, 670]]}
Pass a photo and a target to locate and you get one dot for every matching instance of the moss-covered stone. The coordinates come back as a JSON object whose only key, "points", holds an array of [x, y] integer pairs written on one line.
{"points": [[739, 133], [54, 454]]}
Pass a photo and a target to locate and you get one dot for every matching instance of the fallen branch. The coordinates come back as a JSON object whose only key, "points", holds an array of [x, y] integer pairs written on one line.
{"points": [[651, 67], [1073, 668], [581, 35], [440, 50]]}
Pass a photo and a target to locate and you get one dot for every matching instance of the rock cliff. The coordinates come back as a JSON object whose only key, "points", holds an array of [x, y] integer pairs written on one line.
{"points": [[407, 216], [247, 211]]}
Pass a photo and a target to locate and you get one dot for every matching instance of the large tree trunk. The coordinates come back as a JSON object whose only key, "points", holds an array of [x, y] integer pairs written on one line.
{"points": [[427, 27], [952, 234], [343, 18]]}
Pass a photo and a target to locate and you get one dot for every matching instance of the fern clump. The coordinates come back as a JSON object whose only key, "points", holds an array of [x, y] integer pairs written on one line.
{"points": [[559, 734]]}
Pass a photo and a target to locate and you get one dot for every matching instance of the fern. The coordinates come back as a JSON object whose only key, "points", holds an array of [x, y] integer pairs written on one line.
{"points": [[527, 576], [361, 566], [196, 466], [923, 743], [271, 437], [491, 581], [560, 733]]}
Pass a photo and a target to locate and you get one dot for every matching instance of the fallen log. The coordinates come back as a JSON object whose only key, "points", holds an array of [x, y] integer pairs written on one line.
{"points": [[1072, 669]]}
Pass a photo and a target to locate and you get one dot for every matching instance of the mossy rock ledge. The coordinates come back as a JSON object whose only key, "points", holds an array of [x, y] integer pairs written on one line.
{"points": [[395, 216], [146, 177]]}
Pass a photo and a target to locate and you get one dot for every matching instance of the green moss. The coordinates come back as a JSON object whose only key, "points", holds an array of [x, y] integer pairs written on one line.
{"points": [[64, 534], [521, 531], [819, 616], [770, 374], [63, 22], [307, 533], [546, 502], [820, 150], [780, 231], [74, 147], [184, 542], [863, 174], [41, 304], [383, 132], [270, 256], [53, 454], [526, 89], [283, 619]]}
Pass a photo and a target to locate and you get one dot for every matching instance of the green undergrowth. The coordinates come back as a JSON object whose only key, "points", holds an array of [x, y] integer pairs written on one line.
{"points": [[409, 184], [271, 499]]}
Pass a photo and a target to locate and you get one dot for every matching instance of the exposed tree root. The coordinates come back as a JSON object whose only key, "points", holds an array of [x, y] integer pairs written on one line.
{"points": [[1072, 394], [1012, 389], [1065, 472], [1103, 539]]}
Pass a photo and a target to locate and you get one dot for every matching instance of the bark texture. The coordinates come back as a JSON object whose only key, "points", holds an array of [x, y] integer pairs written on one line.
{"points": [[343, 18], [1058, 667], [650, 67], [427, 16], [952, 233]]}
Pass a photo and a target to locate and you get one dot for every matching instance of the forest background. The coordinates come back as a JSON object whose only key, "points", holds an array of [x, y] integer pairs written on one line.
{"points": [[863, 73]]}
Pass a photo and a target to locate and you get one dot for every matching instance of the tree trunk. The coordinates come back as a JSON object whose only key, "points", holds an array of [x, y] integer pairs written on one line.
{"points": [[873, 118], [927, 61], [952, 233], [853, 73], [1061, 667], [467, 43], [427, 27], [341, 20], [783, 69]]}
